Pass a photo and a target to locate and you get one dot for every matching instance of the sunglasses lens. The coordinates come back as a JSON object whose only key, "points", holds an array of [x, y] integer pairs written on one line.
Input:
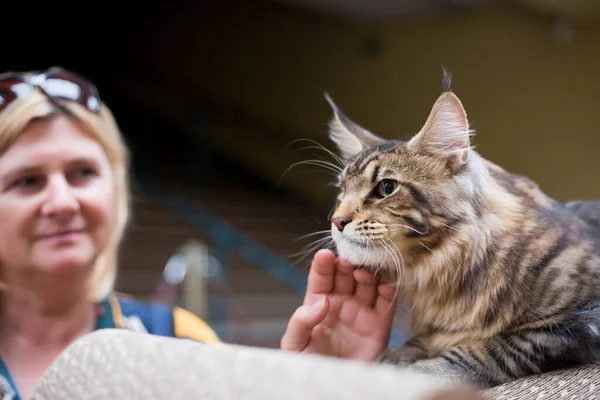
{"points": [[56, 83], [73, 87], [62, 89], [10, 89], [7, 84], [6, 98]]}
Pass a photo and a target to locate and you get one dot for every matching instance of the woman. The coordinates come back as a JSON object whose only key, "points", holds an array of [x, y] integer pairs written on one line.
{"points": [[64, 204]]}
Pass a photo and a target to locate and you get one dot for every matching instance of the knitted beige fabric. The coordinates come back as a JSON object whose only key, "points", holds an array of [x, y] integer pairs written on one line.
{"points": [[573, 383], [119, 364]]}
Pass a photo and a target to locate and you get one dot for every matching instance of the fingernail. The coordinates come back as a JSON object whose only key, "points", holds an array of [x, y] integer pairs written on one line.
{"points": [[316, 307]]}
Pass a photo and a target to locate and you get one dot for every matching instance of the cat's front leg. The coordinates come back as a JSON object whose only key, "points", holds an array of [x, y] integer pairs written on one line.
{"points": [[411, 352], [443, 368], [496, 360]]}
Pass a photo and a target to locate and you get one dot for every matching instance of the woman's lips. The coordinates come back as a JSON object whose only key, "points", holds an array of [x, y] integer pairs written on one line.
{"points": [[62, 236]]}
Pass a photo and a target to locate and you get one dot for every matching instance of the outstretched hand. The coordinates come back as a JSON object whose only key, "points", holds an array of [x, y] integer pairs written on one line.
{"points": [[346, 312]]}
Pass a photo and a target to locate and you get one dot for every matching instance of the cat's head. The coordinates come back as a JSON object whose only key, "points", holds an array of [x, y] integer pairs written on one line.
{"points": [[398, 199]]}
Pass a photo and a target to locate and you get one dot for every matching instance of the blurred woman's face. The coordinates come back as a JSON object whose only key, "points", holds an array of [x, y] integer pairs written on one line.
{"points": [[57, 200]]}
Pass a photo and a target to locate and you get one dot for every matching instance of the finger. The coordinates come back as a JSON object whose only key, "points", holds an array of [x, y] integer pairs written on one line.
{"points": [[301, 324], [366, 287], [321, 275], [386, 300], [344, 278], [360, 319]]}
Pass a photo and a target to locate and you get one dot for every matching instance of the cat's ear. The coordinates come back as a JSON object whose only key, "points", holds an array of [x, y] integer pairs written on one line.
{"points": [[446, 133], [350, 138]]}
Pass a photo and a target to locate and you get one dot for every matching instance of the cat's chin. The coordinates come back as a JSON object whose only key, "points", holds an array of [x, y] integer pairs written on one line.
{"points": [[365, 256]]}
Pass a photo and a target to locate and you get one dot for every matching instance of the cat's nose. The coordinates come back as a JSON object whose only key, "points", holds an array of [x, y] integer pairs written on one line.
{"points": [[340, 222]]}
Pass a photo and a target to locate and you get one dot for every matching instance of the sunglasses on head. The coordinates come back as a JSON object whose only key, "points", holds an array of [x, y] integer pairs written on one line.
{"points": [[56, 83]]}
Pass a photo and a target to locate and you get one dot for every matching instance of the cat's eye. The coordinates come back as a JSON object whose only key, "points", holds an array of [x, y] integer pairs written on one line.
{"points": [[385, 187]]}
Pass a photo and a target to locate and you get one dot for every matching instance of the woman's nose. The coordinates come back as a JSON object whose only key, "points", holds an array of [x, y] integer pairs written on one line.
{"points": [[60, 198]]}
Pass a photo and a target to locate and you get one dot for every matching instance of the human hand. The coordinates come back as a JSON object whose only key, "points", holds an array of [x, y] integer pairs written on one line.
{"points": [[346, 312]]}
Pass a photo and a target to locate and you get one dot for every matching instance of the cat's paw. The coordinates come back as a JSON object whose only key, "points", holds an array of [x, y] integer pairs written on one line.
{"points": [[401, 357]]}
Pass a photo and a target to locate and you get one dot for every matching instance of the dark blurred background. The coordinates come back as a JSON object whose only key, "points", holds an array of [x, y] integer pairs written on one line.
{"points": [[212, 96]]}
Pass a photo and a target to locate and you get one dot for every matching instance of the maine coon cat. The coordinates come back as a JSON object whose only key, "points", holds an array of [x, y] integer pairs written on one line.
{"points": [[503, 281]]}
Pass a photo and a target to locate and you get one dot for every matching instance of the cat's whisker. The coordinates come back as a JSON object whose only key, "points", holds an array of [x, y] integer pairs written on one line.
{"points": [[332, 154], [381, 261], [369, 249], [319, 163], [422, 244], [366, 255], [317, 243], [319, 146], [336, 170], [390, 252], [323, 232], [380, 266], [407, 227], [446, 225], [399, 268], [400, 276], [309, 250], [337, 159]]}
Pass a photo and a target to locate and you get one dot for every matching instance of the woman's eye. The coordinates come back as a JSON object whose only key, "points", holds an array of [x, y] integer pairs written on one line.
{"points": [[84, 173], [87, 171], [385, 188], [27, 182]]}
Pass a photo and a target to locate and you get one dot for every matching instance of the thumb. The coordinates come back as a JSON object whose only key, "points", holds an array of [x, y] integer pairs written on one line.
{"points": [[302, 323]]}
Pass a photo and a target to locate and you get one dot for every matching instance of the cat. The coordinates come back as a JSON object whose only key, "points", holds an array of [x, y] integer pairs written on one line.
{"points": [[503, 281]]}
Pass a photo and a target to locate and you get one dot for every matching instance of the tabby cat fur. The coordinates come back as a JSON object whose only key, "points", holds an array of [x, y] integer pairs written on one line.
{"points": [[503, 281]]}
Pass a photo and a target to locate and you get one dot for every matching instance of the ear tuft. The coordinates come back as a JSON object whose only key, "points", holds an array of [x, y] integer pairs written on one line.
{"points": [[350, 138], [446, 81]]}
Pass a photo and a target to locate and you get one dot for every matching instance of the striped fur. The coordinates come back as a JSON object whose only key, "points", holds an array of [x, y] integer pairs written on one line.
{"points": [[503, 281]]}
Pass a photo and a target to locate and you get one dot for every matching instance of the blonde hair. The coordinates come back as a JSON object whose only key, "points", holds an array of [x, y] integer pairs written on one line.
{"points": [[103, 128]]}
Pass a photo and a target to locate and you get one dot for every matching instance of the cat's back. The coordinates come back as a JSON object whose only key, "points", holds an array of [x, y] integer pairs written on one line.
{"points": [[583, 216], [588, 212]]}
